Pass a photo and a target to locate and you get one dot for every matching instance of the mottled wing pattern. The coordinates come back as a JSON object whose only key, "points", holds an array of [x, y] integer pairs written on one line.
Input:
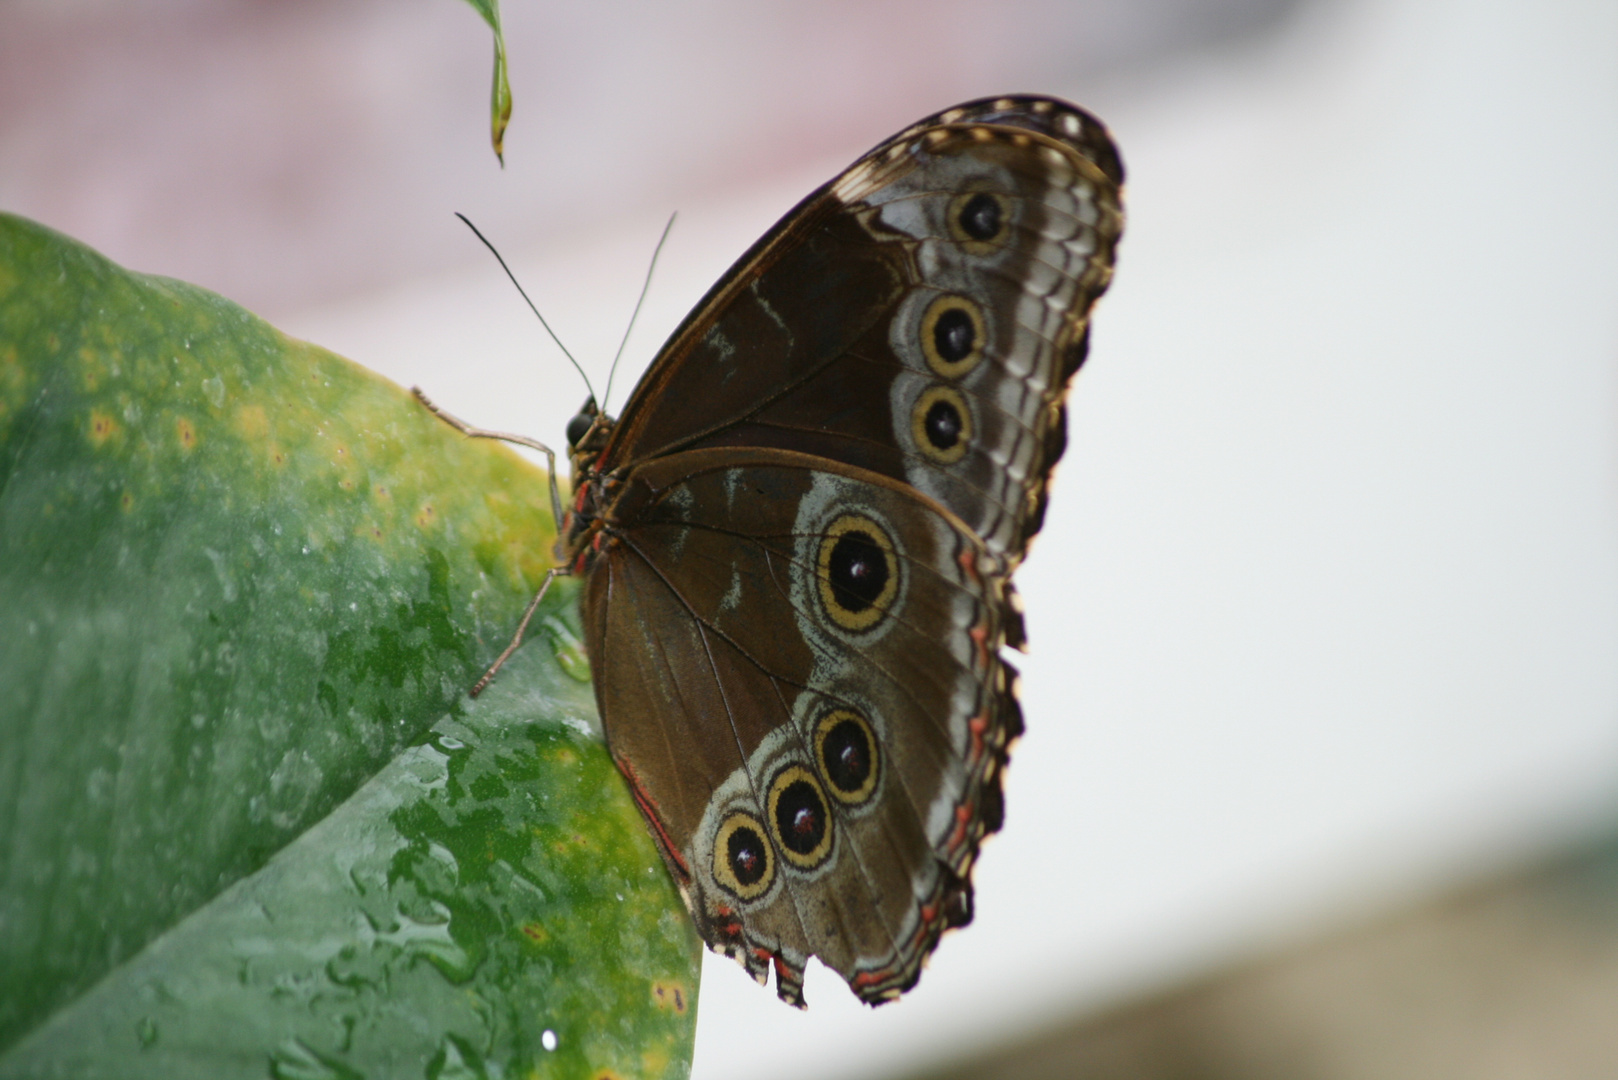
{"points": [[842, 728]]}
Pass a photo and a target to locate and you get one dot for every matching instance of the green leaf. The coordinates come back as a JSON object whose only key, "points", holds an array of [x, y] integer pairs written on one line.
{"points": [[500, 96], [249, 821]]}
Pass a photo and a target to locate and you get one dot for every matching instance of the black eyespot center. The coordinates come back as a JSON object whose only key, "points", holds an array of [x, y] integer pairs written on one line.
{"points": [[847, 756], [800, 817], [980, 217], [943, 424], [746, 855], [954, 336], [858, 568]]}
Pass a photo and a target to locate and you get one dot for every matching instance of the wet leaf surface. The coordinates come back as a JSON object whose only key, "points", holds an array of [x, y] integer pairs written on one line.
{"points": [[249, 821]]}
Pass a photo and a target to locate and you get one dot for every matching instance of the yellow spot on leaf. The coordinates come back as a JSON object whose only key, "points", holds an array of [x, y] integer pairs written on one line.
{"points": [[381, 492], [535, 933], [426, 516], [127, 502], [102, 427], [252, 421], [188, 434]]}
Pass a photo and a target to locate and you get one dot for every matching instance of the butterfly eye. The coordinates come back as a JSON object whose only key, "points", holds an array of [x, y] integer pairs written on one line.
{"points": [[952, 336], [858, 572], [847, 753], [941, 424], [743, 861], [798, 814], [579, 427]]}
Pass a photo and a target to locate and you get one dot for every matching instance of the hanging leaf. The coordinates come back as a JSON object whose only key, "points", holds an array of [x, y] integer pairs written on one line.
{"points": [[500, 96]]}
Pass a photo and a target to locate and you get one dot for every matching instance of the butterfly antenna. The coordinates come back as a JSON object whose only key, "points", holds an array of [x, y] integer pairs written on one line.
{"points": [[645, 286], [531, 306]]}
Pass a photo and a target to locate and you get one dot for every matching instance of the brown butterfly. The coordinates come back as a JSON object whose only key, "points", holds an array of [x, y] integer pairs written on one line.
{"points": [[797, 542]]}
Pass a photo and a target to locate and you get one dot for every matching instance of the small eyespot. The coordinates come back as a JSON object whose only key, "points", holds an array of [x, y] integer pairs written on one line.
{"points": [[857, 571], [797, 813], [743, 861], [952, 336], [848, 755], [941, 424]]}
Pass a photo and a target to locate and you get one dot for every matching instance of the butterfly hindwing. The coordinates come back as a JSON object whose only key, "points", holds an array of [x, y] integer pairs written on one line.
{"points": [[821, 789]]}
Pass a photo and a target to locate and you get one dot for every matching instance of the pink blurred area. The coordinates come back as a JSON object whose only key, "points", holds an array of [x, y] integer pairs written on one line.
{"points": [[290, 153]]}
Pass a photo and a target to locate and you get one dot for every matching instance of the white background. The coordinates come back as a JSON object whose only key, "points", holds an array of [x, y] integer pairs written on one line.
{"points": [[1325, 613]]}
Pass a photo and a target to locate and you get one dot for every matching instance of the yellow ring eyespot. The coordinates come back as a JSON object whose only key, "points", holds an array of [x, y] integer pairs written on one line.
{"points": [[952, 336], [799, 818], [857, 571], [743, 860], [979, 220], [941, 424], [846, 748]]}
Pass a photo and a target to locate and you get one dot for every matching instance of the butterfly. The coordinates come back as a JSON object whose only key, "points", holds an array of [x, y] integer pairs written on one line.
{"points": [[797, 541]]}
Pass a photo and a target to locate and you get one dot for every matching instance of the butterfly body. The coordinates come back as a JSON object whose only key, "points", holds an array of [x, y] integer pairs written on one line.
{"points": [[798, 540]]}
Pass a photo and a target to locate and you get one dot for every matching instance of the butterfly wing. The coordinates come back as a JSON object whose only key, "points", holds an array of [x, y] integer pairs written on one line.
{"points": [[813, 504], [919, 316], [797, 672]]}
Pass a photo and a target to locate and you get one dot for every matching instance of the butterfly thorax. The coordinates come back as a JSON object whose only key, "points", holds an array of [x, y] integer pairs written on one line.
{"points": [[582, 530]]}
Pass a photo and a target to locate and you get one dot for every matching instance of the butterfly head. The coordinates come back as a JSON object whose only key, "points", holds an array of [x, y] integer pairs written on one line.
{"points": [[587, 436]]}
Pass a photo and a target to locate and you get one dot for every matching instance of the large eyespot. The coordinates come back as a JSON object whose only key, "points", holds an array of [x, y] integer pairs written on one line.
{"points": [[978, 218], [847, 752], [797, 813], [952, 336], [743, 861], [858, 572], [941, 424]]}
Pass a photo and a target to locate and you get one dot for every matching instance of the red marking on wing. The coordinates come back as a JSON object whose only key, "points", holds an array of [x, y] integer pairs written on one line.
{"points": [[977, 726], [963, 817], [980, 638], [648, 810]]}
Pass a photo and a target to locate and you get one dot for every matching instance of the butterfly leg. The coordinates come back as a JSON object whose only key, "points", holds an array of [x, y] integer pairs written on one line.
{"points": [[516, 639], [521, 440]]}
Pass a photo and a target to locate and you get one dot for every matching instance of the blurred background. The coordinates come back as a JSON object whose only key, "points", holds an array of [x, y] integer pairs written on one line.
{"points": [[1321, 772]]}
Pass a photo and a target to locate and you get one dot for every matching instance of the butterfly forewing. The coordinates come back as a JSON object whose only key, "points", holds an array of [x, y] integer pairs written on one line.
{"points": [[922, 314]]}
